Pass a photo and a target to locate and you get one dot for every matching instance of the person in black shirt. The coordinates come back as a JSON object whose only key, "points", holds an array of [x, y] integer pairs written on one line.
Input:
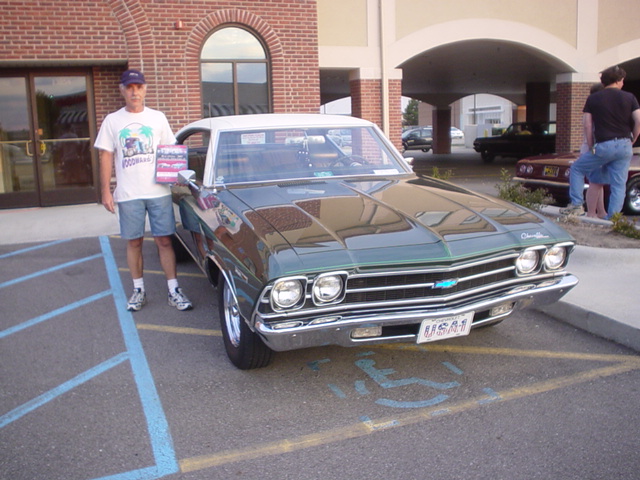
{"points": [[611, 123]]}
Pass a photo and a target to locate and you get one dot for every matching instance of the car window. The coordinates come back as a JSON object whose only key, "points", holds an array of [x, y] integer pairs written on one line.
{"points": [[268, 155]]}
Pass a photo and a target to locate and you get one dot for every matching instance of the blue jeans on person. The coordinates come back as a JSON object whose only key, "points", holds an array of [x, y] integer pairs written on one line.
{"points": [[616, 156]]}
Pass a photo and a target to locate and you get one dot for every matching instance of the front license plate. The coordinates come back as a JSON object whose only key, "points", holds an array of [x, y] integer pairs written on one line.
{"points": [[551, 171], [434, 329]]}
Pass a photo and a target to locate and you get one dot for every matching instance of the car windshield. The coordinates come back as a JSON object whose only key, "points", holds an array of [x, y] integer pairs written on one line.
{"points": [[297, 153]]}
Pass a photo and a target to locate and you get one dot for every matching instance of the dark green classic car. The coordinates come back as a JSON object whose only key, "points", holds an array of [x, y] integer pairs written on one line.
{"points": [[313, 242]]}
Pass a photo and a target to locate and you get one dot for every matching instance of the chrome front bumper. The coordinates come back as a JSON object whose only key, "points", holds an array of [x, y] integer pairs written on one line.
{"points": [[339, 331]]}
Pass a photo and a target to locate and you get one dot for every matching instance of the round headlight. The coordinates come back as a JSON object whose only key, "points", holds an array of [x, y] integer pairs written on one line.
{"points": [[287, 293], [528, 261], [555, 257], [529, 169], [327, 288]]}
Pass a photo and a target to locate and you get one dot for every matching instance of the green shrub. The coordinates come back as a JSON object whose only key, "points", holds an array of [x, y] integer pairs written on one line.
{"points": [[446, 175], [625, 226], [517, 193]]}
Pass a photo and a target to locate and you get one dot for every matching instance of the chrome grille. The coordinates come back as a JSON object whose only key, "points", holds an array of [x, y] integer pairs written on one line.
{"points": [[394, 288]]}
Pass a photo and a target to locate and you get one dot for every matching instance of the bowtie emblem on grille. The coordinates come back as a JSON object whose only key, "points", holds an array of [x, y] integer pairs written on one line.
{"points": [[446, 283]]}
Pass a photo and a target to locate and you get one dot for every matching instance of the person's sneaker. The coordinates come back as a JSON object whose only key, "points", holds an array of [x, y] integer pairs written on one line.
{"points": [[571, 209], [179, 300], [137, 300]]}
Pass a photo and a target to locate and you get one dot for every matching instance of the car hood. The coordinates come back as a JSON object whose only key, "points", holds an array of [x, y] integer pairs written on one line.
{"points": [[567, 159], [563, 160], [374, 221]]}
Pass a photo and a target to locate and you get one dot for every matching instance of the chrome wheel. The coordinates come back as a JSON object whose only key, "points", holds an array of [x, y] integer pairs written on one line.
{"points": [[244, 347], [633, 197], [232, 317]]}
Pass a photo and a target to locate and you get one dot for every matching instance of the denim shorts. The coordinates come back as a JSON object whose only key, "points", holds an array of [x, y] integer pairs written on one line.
{"points": [[133, 213]]}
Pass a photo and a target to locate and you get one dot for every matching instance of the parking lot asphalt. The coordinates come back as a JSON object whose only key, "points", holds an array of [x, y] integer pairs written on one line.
{"points": [[94, 392], [113, 369]]}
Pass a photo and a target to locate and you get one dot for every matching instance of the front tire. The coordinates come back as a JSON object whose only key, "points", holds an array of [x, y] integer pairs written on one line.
{"points": [[245, 348], [487, 156]]}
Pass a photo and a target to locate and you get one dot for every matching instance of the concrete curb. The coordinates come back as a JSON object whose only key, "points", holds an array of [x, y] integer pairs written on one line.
{"points": [[595, 323]]}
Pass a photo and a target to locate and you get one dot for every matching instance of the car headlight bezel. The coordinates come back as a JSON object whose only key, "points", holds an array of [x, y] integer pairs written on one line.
{"points": [[556, 257], [288, 293], [529, 261], [329, 288]]}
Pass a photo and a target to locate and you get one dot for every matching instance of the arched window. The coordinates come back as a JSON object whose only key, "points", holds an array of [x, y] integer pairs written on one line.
{"points": [[235, 74]]}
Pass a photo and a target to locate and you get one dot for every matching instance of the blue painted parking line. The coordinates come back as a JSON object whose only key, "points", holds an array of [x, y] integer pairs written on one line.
{"points": [[157, 426], [30, 249], [159, 434], [453, 368], [53, 314], [48, 270], [31, 405], [337, 391], [493, 396], [315, 365]]}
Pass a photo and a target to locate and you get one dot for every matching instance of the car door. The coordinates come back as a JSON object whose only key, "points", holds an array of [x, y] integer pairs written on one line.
{"points": [[190, 225]]}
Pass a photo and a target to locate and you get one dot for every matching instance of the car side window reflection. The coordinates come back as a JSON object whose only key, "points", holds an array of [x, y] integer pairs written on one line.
{"points": [[198, 143]]}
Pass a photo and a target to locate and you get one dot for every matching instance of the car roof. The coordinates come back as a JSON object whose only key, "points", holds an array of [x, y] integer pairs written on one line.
{"points": [[277, 120]]}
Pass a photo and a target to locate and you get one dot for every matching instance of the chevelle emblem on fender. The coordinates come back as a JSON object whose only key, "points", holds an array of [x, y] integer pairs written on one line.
{"points": [[537, 236], [446, 283]]}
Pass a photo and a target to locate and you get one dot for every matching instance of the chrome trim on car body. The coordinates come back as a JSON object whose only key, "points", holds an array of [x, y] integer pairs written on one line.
{"points": [[546, 183], [398, 297], [433, 302], [339, 332]]}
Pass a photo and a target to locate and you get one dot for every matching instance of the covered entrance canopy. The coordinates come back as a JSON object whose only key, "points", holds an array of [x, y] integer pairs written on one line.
{"points": [[524, 74]]}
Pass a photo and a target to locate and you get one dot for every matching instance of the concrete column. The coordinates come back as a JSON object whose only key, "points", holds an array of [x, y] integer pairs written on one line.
{"points": [[442, 130]]}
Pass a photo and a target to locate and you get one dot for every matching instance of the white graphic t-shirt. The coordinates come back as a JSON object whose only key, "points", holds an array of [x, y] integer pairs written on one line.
{"points": [[133, 139]]}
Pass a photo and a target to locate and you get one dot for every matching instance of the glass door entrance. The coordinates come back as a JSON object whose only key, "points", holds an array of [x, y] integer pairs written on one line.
{"points": [[46, 154]]}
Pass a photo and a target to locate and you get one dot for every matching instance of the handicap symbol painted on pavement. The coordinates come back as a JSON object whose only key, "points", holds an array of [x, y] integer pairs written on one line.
{"points": [[381, 377]]}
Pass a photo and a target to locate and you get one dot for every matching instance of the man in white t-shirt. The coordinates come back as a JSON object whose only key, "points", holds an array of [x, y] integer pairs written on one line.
{"points": [[128, 139]]}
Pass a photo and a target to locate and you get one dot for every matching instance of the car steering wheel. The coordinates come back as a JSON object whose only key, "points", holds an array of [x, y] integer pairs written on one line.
{"points": [[349, 161]]}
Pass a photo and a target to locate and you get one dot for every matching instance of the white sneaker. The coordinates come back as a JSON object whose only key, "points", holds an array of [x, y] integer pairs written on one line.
{"points": [[179, 300], [571, 209], [137, 300]]}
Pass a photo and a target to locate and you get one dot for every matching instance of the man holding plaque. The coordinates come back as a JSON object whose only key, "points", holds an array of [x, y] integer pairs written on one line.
{"points": [[129, 139]]}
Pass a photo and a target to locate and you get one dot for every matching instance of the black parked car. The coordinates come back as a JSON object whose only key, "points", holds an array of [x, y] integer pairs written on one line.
{"points": [[418, 139], [519, 140]]}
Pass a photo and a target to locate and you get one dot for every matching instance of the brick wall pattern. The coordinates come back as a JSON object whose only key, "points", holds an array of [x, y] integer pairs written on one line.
{"points": [[111, 35], [571, 98]]}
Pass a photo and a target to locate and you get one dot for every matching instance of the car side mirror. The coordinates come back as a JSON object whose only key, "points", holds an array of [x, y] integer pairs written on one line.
{"points": [[186, 177]]}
